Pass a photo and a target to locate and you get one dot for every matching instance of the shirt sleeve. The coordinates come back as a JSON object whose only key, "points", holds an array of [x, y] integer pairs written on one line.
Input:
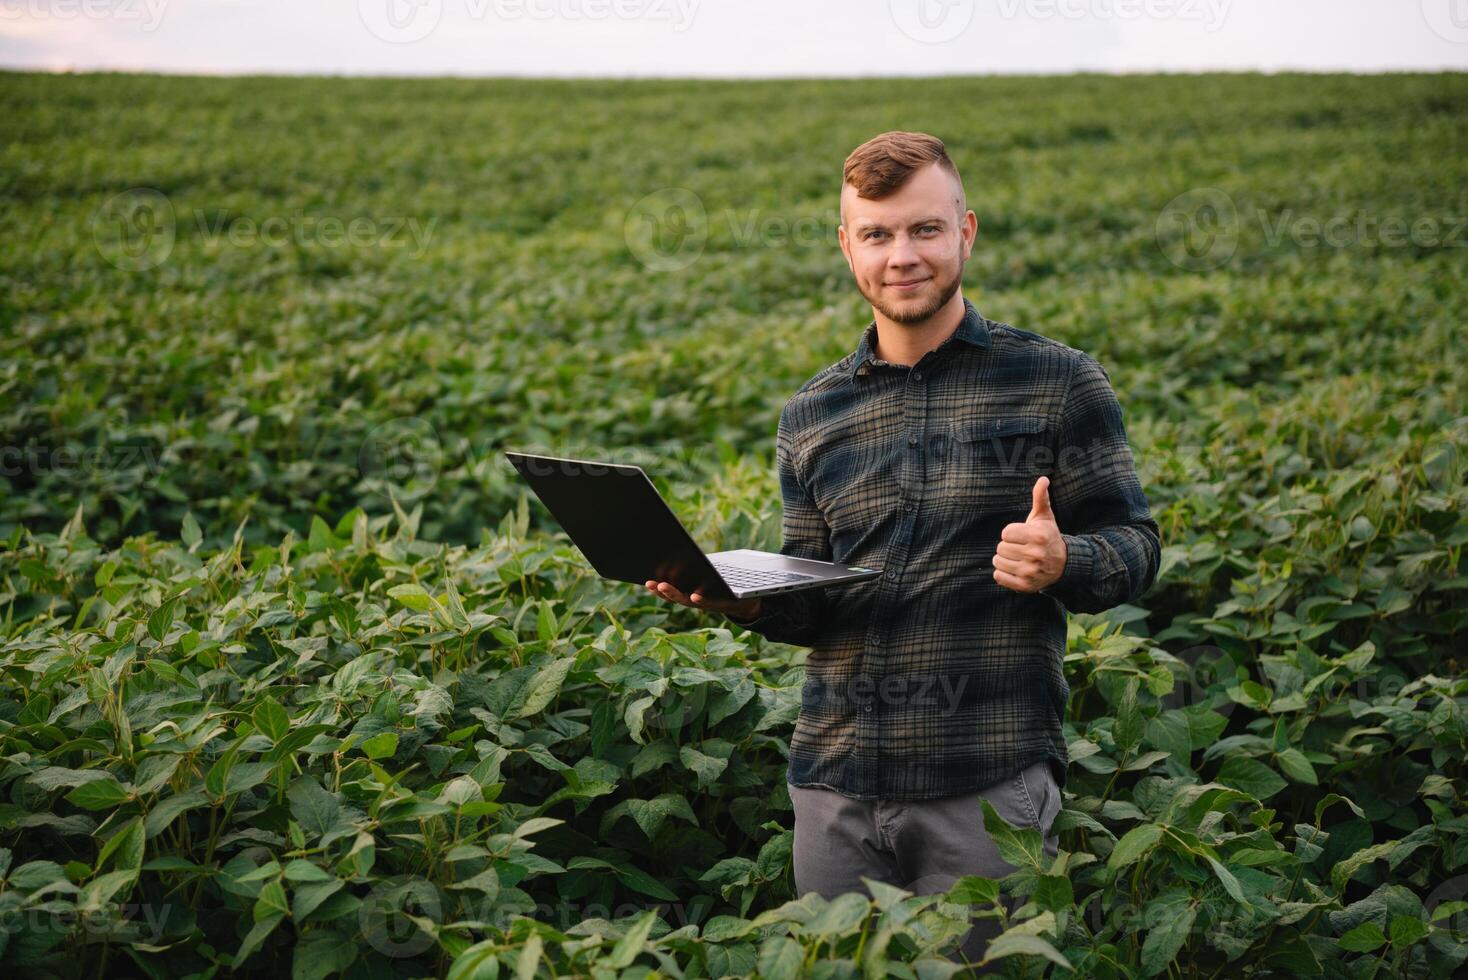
{"points": [[798, 618], [1112, 544]]}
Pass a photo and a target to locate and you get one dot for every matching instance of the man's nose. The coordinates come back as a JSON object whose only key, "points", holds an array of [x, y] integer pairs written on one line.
{"points": [[903, 254]]}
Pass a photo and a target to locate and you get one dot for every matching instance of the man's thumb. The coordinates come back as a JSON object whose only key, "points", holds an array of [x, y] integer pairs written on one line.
{"points": [[1040, 501]]}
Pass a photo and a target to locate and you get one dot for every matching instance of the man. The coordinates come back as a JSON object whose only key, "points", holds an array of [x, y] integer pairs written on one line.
{"points": [[986, 470]]}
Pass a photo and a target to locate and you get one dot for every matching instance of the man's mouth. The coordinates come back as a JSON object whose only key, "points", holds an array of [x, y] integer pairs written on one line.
{"points": [[907, 285]]}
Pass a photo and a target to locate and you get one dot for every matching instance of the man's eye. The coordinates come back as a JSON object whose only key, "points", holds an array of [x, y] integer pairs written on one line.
{"points": [[928, 228], [874, 234]]}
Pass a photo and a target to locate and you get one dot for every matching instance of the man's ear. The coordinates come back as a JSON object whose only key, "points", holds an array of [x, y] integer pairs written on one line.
{"points": [[845, 246], [970, 231]]}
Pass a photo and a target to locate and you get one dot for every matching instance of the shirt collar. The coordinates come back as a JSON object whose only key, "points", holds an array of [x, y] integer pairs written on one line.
{"points": [[971, 330]]}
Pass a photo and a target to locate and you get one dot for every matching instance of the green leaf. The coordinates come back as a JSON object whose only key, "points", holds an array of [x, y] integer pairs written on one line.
{"points": [[478, 962], [1364, 938], [1331, 798], [413, 596], [642, 882], [312, 807], [780, 958], [1407, 929], [99, 794], [1227, 879], [1127, 729], [127, 844], [1297, 767], [383, 745], [1021, 847], [1133, 844], [309, 896], [1168, 935], [1250, 776], [651, 814], [630, 944], [321, 954], [302, 870], [1013, 943], [165, 811], [35, 874], [271, 719], [162, 619], [706, 766], [257, 935], [544, 686], [1344, 870], [190, 532], [842, 915], [271, 901]]}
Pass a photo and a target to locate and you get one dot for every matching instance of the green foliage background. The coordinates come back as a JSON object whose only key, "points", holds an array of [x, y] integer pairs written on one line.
{"points": [[295, 678]]}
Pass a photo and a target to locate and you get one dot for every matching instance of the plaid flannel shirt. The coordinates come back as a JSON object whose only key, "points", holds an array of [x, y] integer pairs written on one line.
{"points": [[933, 680]]}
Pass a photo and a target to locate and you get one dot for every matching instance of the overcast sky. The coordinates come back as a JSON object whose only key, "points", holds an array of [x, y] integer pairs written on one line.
{"points": [[732, 37]]}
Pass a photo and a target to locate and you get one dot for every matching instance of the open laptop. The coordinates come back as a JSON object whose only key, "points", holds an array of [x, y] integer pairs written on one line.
{"points": [[629, 533]]}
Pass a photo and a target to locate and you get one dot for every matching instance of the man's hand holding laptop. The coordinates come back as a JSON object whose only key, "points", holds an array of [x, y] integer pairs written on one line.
{"points": [[743, 608]]}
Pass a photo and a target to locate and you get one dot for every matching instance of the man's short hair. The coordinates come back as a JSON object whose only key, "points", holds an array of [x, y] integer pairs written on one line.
{"points": [[881, 165]]}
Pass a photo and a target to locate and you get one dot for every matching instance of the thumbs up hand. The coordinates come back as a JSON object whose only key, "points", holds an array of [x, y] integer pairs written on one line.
{"points": [[1031, 555]]}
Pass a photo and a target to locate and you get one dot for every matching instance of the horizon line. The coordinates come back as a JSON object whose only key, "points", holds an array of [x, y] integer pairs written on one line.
{"points": [[464, 76]]}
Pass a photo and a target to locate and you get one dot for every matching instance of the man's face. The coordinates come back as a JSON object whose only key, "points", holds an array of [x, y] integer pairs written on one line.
{"points": [[907, 250]]}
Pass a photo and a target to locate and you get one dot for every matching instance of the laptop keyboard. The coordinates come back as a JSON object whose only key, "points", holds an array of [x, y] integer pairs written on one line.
{"points": [[749, 578]]}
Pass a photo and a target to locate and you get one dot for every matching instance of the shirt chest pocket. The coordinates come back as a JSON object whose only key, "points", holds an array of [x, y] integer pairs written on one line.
{"points": [[993, 462]]}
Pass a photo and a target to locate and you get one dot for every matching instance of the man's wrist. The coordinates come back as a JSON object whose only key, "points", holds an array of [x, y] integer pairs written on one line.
{"points": [[1079, 560]]}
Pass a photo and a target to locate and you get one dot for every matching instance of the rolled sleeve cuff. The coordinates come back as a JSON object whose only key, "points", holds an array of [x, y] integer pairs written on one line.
{"points": [[784, 618], [1078, 576]]}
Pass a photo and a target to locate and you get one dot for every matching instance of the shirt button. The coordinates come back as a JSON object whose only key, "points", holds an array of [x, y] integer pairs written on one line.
{"points": [[867, 706], [912, 440], [917, 375], [907, 507], [876, 643]]}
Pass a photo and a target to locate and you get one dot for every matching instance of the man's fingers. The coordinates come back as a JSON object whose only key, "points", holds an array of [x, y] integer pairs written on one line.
{"points": [[1011, 582], [1011, 565], [1020, 552], [1040, 501], [670, 592], [1018, 533]]}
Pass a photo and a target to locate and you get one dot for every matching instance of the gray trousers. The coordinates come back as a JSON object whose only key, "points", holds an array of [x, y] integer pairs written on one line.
{"points": [[920, 846]]}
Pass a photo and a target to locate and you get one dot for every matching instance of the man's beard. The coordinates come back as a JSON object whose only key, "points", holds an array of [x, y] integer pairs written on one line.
{"points": [[921, 313]]}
